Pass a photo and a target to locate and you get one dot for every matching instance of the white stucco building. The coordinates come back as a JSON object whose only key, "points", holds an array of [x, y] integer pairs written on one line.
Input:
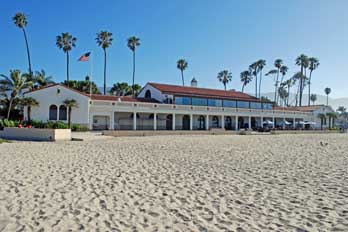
{"points": [[168, 107]]}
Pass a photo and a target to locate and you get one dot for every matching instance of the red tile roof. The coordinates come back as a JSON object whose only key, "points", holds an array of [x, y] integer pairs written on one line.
{"points": [[99, 96], [122, 98], [202, 92], [300, 108]]}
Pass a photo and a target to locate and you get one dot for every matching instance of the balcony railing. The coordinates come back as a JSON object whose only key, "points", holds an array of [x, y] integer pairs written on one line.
{"points": [[162, 106]]}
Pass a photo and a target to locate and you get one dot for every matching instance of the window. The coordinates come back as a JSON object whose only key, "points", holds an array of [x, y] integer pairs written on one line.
{"points": [[52, 112], [228, 103], [183, 100], [201, 123], [62, 113], [199, 101], [243, 104], [215, 102], [148, 94], [255, 105], [267, 106]]}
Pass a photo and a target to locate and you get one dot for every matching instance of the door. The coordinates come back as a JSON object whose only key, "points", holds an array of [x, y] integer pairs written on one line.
{"points": [[100, 122], [169, 122], [186, 122]]}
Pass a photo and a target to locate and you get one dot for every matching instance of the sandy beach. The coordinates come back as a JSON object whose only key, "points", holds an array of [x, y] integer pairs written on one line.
{"points": [[177, 183]]}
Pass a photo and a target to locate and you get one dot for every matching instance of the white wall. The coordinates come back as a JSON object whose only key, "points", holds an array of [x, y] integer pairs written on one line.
{"points": [[155, 93], [49, 96]]}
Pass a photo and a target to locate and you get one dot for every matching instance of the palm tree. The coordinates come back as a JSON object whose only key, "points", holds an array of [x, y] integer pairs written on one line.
{"points": [[253, 68], [15, 83], [313, 98], [278, 63], [104, 40], [260, 65], [341, 109], [29, 102], [283, 94], [40, 79], [283, 70], [20, 20], [288, 83], [120, 89], [133, 43], [297, 77], [302, 61], [182, 65], [66, 42], [273, 72], [313, 64], [327, 92], [245, 78], [224, 77], [136, 89], [70, 104]]}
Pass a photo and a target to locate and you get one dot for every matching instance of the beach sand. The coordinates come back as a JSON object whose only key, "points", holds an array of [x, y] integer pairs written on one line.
{"points": [[177, 183]]}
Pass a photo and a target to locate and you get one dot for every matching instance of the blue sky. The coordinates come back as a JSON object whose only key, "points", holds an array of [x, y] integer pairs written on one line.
{"points": [[210, 35]]}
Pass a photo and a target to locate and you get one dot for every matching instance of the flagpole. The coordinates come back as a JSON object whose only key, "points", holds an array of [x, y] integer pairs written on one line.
{"points": [[91, 73]]}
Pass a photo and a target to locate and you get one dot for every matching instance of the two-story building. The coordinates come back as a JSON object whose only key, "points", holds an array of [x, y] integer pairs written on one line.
{"points": [[165, 107]]}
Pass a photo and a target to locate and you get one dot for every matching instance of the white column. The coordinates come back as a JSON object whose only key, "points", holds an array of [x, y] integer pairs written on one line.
{"points": [[274, 122], [222, 122], [294, 123], [249, 122], [135, 121], [173, 122], [207, 122], [191, 121], [236, 125], [154, 121], [261, 122], [112, 121], [284, 125]]}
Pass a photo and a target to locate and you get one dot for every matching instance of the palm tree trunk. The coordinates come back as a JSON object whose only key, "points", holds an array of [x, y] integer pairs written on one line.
{"points": [[301, 84], [28, 53], [225, 86], [67, 67], [182, 77], [276, 88], [309, 89], [327, 99], [104, 71], [255, 84], [243, 88], [133, 73], [260, 83], [287, 99], [9, 108]]}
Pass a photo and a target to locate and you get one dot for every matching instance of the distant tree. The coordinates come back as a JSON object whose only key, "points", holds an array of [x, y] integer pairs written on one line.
{"points": [[70, 104], [260, 65], [104, 40], [136, 89], [272, 73], [224, 77], [283, 70], [288, 83], [83, 86], [313, 98], [120, 89], [66, 42], [278, 63], [245, 78], [265, 99], [332, 117], [182, 66], [303, 62], [253, 68], [341, 109], [313, 65], [20, 20], [283, 94], [16, 83], [327, 92], [29, 102], [133, 43], [40, 79]]}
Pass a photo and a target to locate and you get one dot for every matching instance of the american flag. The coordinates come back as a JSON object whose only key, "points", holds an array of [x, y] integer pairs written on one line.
{"points": [[85, 57]]}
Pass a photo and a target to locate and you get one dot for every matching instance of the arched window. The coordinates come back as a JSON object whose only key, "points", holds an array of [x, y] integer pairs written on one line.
{"points": [[53, 112], [215, 122], [148, 94], [63, 113]]}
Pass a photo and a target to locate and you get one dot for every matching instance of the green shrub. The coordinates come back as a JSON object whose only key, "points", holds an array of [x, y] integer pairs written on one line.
{"points": [[8, 123], [78, 127], [49, 124]]}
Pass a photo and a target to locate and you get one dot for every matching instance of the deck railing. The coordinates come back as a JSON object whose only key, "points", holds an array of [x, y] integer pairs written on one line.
{"points": [[162, 106]]}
